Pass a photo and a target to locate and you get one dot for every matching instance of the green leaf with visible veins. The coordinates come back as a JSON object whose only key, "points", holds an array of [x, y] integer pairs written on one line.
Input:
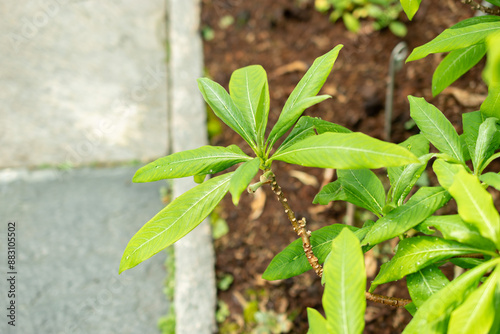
{"points": [[176, 220], [201, 161], [420, 206], [433, 316], [471, 122], [331, 192], [487, 143], [363, 188], [416, 253], [475, 205], [223, 106], [307, 127], [345, 151], [456, 64], [242, 178], [345, 281], [491, 74], [491, 179], [456, 38], [454, 228], [250, 92], [410, 7], [477, 313], [424, 283], [436, 127], [307, 87]]}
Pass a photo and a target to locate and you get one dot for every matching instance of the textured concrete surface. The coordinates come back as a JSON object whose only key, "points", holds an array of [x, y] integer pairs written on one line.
{"points": [[195, 292], [82, 81], [71, 231]]}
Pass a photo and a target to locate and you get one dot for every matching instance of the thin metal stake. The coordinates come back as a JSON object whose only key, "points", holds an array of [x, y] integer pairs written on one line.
{"points": [[398, 56]]}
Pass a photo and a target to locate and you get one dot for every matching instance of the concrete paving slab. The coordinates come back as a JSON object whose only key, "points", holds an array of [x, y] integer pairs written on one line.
{"points": [[71, 230], [82, 82]]}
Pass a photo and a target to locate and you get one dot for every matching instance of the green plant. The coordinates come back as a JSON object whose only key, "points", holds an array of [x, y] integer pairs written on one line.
{"points": [[385, 13], [469, 239]]}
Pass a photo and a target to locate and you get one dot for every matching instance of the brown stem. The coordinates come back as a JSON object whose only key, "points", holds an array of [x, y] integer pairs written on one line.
{"points": [[299, 226], [392, 301], [476, 6], [470, 256]]}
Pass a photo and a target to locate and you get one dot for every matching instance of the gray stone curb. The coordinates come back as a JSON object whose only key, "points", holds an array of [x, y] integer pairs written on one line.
{"points": [[195, 291]]}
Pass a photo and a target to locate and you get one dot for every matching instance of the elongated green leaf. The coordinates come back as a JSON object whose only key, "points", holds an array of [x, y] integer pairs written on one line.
{"points": [[475, 20], [455, 39], [175, 221], [416, 253], [223, 106], [288, 122], [410, 7], [491, 179], [307, 127], [242, 178], [477, 313], [345, 151], [292, 260], [411, 173], [200, 161], [454, 228], [317, 324], [248, 88], [420, 206], [491, 74], [475, 205], [331, 192], [466, 263], [424, 283], [363, 188], [487, 143], [307, 87], [456, 64], [491, 106], [471, 122], [436, 127], [345, 281], [445, 172], [433, 316], [403, 178]]}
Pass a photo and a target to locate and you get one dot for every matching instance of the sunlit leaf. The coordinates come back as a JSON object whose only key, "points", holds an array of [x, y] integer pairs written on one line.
{"points": [[345, 281], [345, 151], [200, 161], [436, 128], [416, 253], [471, 122], [307, 87], [249, 90], [433, 316], [491, 179], [454, 228], [175, 221], [410, 7], [317, 324], [223, 106], [424, 283], [457, 38], [475, 205], [488, 140], [477, 313], [456, 64], [242, 178], [420, 206]]}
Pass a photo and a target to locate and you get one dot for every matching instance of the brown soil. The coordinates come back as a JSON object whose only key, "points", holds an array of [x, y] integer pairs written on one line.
{"points": [[285, 37]]}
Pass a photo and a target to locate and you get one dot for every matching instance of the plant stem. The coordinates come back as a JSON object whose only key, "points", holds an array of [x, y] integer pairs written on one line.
{"points": [[299, 226], [386, 300], [476, 6]]}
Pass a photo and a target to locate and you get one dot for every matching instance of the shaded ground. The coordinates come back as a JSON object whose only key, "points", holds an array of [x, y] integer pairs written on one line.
{"points": [[285, 37]]}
